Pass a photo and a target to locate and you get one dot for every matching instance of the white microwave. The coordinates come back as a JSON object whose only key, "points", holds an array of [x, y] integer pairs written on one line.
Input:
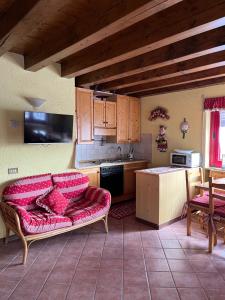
{"points": [[189, 160]]}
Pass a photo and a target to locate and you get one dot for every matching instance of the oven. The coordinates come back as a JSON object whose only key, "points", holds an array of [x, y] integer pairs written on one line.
{"points": [[111, 179]]}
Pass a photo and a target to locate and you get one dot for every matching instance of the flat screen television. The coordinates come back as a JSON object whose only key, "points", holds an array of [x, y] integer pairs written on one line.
{"points": [[46, 128]]}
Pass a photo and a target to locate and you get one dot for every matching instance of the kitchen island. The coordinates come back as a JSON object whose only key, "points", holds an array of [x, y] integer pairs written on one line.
{"points": [[160, 195]]}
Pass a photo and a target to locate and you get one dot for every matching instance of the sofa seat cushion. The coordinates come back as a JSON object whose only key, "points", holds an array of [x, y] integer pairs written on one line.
{"points": [[95, 204], [204, 201], [24, 191], [72, 185], [39, 221], [53, 201]]}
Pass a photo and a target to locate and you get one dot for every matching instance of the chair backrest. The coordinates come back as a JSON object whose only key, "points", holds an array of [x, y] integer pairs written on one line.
{"points": [[194, 176], [216, 187]]}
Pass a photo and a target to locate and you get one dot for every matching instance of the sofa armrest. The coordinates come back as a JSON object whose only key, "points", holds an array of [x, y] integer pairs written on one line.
{"points": [[99, 195], [10, 217]]}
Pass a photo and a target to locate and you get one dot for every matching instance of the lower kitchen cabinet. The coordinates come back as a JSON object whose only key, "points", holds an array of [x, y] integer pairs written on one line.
{"points": [[160, 197], [93, 174], [129, 181]]}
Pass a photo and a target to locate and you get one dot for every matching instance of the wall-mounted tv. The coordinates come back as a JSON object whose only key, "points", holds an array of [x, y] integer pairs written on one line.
{"points": [[46, 128]]}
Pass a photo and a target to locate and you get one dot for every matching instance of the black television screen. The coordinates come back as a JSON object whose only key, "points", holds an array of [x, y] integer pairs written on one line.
{"points": [[45, 128]]}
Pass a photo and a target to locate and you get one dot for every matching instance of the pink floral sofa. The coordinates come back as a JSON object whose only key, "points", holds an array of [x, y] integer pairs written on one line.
{"points": [[45, 205]]}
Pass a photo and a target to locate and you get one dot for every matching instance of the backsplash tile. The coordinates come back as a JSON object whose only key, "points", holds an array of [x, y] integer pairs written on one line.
{"points": [[110, 150]]}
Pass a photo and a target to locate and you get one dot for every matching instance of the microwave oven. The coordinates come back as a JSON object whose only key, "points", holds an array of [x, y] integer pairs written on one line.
{"points": [[189, 160]]}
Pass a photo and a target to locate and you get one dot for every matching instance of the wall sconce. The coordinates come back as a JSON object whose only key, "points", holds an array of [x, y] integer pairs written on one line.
{"points": [[184, 126], [36, 102]]}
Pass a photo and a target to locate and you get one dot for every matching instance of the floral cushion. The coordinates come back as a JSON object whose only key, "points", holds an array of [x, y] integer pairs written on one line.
{"points": [[72, 185], [204, 201], [24, 191], [95, 204], [53, 201], [38, 221]]}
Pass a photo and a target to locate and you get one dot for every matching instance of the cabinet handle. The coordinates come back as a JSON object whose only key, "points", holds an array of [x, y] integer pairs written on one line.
{"points": [[106, 122]]}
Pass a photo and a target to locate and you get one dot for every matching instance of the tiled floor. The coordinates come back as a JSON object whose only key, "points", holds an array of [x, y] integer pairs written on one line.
{"points": [[131, 262]]}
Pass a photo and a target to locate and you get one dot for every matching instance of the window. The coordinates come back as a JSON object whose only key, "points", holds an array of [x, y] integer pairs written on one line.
{"points": [[217, 138]]}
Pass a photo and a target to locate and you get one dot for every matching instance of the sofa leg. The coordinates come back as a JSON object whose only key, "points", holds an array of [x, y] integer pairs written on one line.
{"points": [[25, 249], [6, 235], [105, 220]]}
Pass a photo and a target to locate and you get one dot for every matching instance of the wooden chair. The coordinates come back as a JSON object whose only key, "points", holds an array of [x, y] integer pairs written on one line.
{"points": [[216, 213], [195, 202]]}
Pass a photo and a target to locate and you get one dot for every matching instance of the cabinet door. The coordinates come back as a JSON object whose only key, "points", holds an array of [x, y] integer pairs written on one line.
{"points": [[134, 124], [93, 174], [129, 181], [122, 118], [84, 109], [99, 113], [130, 176], [110, 114]]}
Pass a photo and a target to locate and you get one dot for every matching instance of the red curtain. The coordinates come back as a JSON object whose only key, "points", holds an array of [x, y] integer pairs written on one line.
{"points": [[214, 103], [214, 157]]}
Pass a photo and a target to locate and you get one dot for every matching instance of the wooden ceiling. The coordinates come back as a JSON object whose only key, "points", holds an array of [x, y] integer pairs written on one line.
{"points": [[137, 48]]}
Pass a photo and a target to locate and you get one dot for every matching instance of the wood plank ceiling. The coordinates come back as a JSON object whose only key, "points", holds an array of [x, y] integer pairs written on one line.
{"points": [[136, 48]]}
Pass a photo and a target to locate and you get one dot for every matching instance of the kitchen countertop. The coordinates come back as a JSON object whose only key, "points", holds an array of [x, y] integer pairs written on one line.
{"points": [[160, 170], [89, 164]]}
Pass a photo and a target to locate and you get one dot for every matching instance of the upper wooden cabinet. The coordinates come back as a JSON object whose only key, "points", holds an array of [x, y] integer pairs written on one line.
{"points": [[99, 113], [110, 114], [128, 119], [122, 119], [135, 118], [84, 112], [104, 117]]}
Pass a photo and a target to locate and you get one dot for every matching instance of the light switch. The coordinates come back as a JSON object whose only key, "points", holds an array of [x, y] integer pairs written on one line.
{"points": [[12, 170]]}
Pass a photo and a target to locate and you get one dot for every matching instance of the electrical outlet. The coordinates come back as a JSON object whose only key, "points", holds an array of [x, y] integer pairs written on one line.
{"points": [[12, 170]]}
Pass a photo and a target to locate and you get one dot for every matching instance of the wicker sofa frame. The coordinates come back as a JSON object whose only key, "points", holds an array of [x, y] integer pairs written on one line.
{"points": [[12, 223]]}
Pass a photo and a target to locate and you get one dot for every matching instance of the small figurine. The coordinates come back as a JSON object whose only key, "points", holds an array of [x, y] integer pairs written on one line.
{"points": [[161, 140]]}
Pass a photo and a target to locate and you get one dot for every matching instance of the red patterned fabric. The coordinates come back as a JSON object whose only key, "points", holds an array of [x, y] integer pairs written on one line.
{"points": [[214, 151], [220, 212], [72, 185], [25, 191], [53, 201], [96, 203], [39, 221], [204, 201], [214, 103]]}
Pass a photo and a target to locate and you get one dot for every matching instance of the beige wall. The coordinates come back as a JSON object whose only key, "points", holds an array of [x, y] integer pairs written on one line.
{"points": [[188, 104], [16, 85]]}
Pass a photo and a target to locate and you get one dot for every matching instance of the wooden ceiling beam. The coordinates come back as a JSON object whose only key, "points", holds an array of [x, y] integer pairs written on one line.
{"points": [[12, 18], [181, 87], [216, 72], [181, 21], [201, 63], [117, 16], [204, 43]]}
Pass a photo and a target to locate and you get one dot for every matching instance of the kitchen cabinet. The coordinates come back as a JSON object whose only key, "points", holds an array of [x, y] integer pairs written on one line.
{"points": [[93, 174], [128, 119], [129, 180], [84, 114], [134, 116], [160, 195], [104, 117], [99, 113], [110, 114], [130, 176]]}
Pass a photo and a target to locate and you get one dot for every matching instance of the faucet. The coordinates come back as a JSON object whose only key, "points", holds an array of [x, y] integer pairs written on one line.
{"points": [[120, 150]]}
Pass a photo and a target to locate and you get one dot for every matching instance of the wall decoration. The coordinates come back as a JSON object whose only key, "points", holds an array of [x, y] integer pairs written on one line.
{"points": [[161, 139], [184, 127], [159, 112]]}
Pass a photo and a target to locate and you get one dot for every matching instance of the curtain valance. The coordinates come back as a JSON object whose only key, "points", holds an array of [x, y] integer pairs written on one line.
{"points": [[214, 103]]}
